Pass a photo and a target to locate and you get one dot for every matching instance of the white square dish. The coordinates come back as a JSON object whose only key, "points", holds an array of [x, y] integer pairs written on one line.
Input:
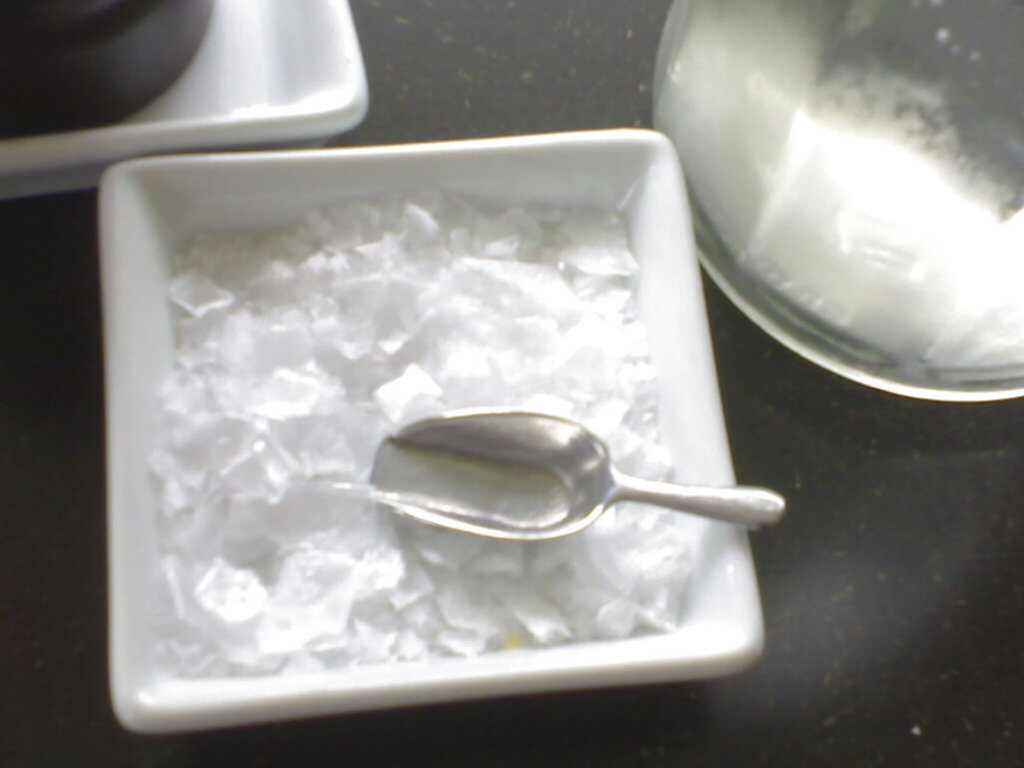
{"points": [[149, 207], [267, 72]]}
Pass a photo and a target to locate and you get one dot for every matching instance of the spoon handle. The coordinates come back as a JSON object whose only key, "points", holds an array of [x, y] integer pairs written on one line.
{"points": [[743, 505]]}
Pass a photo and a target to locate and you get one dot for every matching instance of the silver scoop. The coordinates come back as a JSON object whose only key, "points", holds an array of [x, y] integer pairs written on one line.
{"points": [[529, 476]]}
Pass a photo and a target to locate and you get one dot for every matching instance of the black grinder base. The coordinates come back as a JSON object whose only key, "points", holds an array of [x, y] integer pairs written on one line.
{"points": [[67, 64]]}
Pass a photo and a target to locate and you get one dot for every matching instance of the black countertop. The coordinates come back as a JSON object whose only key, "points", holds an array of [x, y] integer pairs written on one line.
{"points": [[893, 594]]}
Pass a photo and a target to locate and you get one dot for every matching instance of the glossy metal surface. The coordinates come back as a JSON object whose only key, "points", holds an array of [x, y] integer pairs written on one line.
{"points": [[530, 476]]}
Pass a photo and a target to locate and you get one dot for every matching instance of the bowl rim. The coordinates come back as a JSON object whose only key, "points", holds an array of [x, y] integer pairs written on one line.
{"points": [[715, 648]]}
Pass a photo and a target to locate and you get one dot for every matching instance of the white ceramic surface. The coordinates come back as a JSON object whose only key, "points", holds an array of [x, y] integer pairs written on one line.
{"points": [[268, 72], [149, 206]]}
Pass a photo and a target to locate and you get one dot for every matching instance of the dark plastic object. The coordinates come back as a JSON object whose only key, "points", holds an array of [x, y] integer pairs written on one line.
{"points": [[67, 64]]}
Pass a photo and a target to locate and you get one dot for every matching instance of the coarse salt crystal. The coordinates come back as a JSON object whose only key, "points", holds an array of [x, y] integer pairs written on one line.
{"points": [[198, 295], [412, 393], [232, 595], [298, 352]]}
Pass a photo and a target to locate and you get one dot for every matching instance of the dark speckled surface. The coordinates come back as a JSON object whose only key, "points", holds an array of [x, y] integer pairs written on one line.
{"points": [[893, 594]]}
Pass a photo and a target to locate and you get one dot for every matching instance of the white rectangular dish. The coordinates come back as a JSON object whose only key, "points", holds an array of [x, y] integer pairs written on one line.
{"points": [[149, 207], [267, 72]]}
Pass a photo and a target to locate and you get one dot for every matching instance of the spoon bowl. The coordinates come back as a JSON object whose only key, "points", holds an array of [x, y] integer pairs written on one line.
{"points": [[531, 476]]}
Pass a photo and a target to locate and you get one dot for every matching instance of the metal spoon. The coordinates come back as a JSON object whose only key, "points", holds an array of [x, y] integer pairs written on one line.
{"points": [[530, 476]]}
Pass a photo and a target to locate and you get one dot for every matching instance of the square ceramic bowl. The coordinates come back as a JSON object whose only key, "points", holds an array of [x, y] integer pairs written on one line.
{"points": [[148, 207]]}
